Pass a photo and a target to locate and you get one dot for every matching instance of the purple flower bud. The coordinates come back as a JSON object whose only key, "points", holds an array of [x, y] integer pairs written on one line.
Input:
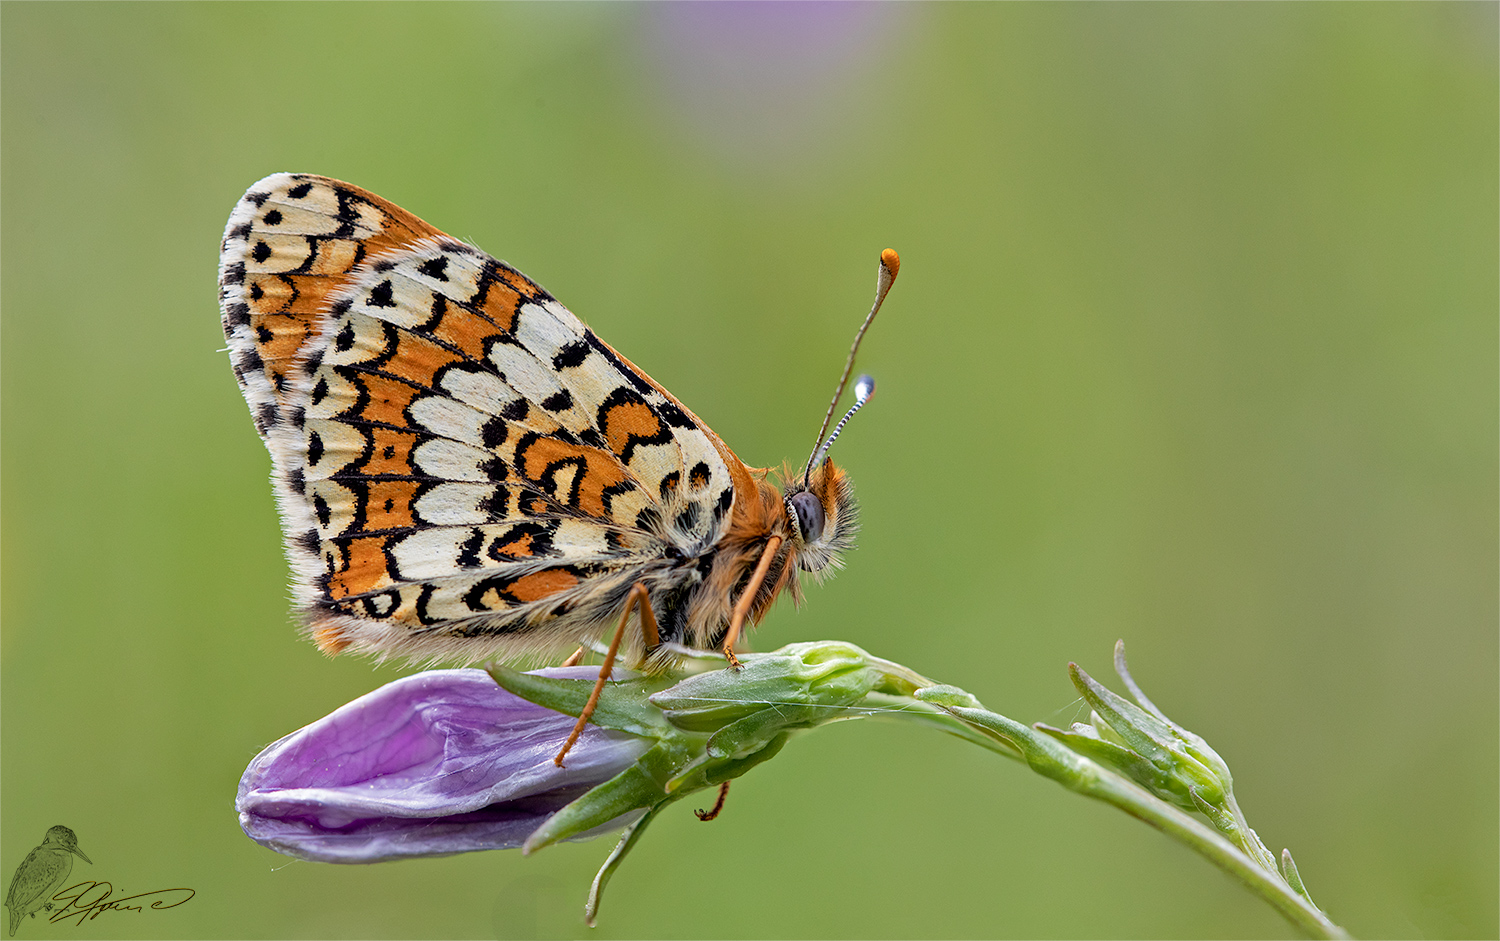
{"points": [[433, 764]]}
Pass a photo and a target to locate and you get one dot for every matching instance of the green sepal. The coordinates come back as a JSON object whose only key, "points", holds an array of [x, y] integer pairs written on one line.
{"points": [[622, 703], [635, 788], [1194, 744], [750, 734], [612, 862], [1156, 741], [1104, 730], [703, 775], [713, 773], [1222, 819], [1293, 877]]}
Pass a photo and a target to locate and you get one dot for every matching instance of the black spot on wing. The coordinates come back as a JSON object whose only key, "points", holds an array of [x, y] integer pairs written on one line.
{"points": [[266, 417], [494, 432], [673, 415], [309, 540], [436, 268], [382, 295], [474, 600], [468, 550], [250, 361], [495, 469], [494, 505], [669, 483], [648, 520], [572, 354]]}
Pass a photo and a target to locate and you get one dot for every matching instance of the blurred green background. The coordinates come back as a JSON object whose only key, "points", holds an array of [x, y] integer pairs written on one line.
{"points": [[1194, 344]]}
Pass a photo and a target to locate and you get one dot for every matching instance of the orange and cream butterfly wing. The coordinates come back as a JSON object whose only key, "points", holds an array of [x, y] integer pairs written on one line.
{"points": [[463, 468]]}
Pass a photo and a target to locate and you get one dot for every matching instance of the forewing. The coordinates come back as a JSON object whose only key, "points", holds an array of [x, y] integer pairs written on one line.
{"points": [[462, 466]]}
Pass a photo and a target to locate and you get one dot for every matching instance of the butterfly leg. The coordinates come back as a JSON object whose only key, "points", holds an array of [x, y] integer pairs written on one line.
{"points": [[707, 815], [575, 659], [638, 595], [747, 598]]}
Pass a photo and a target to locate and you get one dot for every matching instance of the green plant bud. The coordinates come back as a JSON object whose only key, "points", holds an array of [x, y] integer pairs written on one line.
{"points": [[826, 674], [1153, 739]]}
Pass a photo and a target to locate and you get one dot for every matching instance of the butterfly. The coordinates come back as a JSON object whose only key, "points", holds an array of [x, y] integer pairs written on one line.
{"points": [[465, 470]]}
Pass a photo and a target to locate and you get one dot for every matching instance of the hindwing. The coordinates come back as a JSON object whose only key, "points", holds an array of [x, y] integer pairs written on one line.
{"points": [[462, 466]]}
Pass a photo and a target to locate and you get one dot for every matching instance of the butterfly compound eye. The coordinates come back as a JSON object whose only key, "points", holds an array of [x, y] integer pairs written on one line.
{"points": [[809, 516]]}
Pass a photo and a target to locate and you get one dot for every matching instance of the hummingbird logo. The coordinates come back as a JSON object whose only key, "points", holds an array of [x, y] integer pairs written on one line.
{"points": [[43, 872]]}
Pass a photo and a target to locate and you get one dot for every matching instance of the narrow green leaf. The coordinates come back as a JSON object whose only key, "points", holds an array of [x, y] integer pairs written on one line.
{"points": [[612, 862]]}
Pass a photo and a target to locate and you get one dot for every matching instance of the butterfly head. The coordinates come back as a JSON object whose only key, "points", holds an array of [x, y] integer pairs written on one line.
{"points": [[822, 517], [820, 502]]}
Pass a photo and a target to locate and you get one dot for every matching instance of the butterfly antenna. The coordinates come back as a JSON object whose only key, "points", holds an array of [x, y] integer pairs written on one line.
{"points": [[890, 263], [864, 388]]}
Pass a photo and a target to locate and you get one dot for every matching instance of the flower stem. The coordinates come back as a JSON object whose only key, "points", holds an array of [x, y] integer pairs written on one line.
{"points": [[1141, 804], [1050, 757]]}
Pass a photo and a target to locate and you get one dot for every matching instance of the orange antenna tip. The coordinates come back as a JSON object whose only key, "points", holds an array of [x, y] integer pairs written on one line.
{"points": [[891, 261]]}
